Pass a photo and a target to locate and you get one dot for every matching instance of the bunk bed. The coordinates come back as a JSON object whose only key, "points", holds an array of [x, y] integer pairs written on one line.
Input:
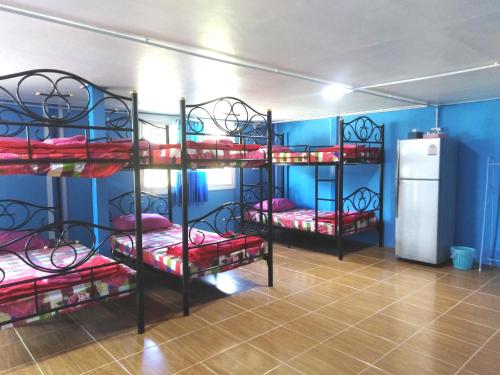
{"points": [[221, 239], [58, 265], [360, 142]]}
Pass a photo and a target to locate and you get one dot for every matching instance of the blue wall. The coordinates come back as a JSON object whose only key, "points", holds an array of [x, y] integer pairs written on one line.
{"points": [[475, 125]]}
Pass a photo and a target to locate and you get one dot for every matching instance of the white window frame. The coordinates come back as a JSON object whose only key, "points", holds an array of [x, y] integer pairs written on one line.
{"points": [[160, 119]]}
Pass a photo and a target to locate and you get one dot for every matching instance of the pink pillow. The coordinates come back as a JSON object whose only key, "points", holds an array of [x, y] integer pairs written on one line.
{"points": [[60, 141], [34, 241], [149, 222], [281, 149], [222, 141], [279, 205]]}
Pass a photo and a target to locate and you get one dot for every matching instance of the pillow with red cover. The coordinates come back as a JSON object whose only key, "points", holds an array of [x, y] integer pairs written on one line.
{"points": [[65, 140], [35, 241], [279, 204], [281, 149], [149, 222]]}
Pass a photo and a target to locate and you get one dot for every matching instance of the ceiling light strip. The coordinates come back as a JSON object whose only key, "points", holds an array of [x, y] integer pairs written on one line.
{"points": [[218, 57], [496, 64]]}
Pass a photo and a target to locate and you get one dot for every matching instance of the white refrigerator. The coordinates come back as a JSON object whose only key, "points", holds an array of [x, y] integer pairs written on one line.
{"points": [[425, 199]]}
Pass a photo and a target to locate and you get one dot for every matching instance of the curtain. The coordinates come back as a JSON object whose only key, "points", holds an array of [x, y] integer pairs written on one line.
{"points": [[197, 180]]}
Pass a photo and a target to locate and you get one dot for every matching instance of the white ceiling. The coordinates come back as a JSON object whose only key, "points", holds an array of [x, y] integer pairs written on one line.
{"points": [[356, 42]]}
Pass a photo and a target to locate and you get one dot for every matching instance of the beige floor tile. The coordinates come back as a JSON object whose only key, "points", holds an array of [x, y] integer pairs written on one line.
{"points": [[309, 300], [488, 301], [369, 301], [302, 280], [44, 326], [54, 342], [446, 291], [333, 289], [14, 355], [461, 282], [360, 344], [110, 369], [391, 290], [109, 325], [216, 311], [323, 359], [462, 329], [297, 265], [8, 336], [355, 281], [345, 313], [243, 359], [316, 326], [494, 344], [445, 348], [429, 300], [410, 313], [76, 360], [341, 265], [160, 360], [387, 327], [325, 273], [280, 312], [282, 343], [423, 272], [246, 325], [492, 287], [374, 272], [359, 259], [477, 314], [249, 299], [206, 342], [372, 370], [408, 362], [405, 279], [179, 325], [284, 370], [280, 289], [130, 343], [485, 362], [198, 369]]}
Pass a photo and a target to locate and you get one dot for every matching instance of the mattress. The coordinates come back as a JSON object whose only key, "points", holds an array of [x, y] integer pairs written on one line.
{"points": [[119, 152], [163, 250], [56, 291], [303, 219], [327, 155]]}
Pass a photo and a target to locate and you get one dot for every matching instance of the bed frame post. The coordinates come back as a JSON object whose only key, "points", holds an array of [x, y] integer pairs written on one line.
{"points": [[269, 204], [316, 176], [381, 190], [185, 204], [138, 215], [169, 180], [340, 189]]}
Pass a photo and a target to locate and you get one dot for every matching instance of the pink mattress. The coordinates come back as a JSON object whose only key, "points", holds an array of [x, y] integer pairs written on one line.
{"points": [[304, 219], [17, 301], [163, 250], [201, 153], [352, 153]]}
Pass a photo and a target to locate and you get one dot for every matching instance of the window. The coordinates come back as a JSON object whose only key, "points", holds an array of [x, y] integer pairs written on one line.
{"points": [[155, 180]]}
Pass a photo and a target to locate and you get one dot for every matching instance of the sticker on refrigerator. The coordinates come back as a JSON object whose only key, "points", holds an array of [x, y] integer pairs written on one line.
{"points": [[432, 150]]}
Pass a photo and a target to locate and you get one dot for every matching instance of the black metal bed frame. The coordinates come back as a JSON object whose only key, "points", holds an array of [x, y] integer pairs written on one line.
{"points": [[361, 131], [233, 118], [17, 119]]}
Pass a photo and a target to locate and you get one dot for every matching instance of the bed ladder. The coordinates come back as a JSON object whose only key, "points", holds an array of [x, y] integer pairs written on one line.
{"points": [[317, 198]]}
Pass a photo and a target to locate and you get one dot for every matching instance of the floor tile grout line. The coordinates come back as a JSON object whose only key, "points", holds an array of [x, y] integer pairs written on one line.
{"points": [[99, 367], [478, 350], [102, 346], [29, 351], [426, 326]]}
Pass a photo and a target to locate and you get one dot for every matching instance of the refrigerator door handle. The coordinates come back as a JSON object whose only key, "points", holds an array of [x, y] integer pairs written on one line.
{"points": [[397, 182]]}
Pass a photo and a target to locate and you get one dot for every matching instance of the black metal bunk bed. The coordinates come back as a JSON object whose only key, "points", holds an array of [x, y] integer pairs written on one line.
{"points": [[223, 227], [360, 142], [30, 144]]}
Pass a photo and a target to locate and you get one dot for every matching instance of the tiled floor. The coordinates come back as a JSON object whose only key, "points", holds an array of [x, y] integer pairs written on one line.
{"points": [[370, 314]]}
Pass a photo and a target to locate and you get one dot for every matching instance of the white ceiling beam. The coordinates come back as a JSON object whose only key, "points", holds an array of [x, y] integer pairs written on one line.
{"points": [[195, 52], [494, 65]]}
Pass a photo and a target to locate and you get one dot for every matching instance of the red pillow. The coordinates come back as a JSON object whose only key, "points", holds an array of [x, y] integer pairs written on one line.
{"points": [[35, 241], [281, 149], [65, 140], [149, 222], [279, 205]]}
